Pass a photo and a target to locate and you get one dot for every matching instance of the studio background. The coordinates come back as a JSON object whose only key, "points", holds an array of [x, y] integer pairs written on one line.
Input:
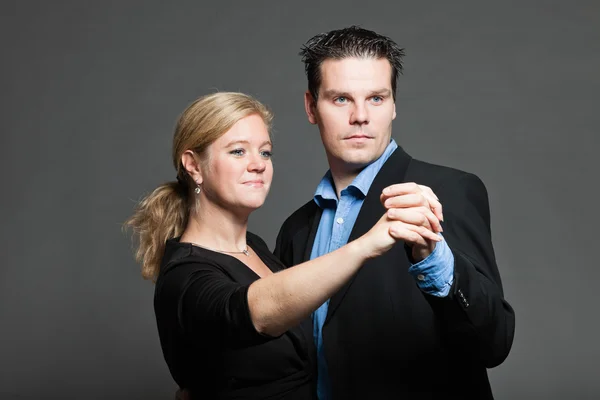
{"points": [[90, 92]]}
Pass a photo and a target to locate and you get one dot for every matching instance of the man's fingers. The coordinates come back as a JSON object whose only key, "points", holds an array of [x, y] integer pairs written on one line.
{"points": [[420, 216], [436, 208], [428, 190], [425, 233], [409, 195], [434, 222], [434, 202], [413, 234], [400, 189], [399, 231], [406, 200]]}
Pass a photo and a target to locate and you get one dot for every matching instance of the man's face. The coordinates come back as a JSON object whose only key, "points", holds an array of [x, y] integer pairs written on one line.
{"points": [[354, 111]]}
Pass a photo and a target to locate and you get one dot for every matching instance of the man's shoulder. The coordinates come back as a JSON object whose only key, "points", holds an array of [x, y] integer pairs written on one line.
{"points": [[424, 168], [296, 225], [447, 182], [435, 175]]}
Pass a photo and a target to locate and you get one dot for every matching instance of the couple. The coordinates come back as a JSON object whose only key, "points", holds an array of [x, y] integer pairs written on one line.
{"points": [[365, 296]]}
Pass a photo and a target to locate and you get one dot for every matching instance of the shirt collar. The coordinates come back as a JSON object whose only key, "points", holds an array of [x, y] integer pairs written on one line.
{"points": [[325, 193]]}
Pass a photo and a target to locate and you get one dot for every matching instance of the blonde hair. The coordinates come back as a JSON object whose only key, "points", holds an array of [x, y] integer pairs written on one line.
{"points": [[164, 213]]}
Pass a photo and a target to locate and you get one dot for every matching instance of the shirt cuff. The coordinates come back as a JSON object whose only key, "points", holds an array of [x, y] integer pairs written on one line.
{"points": [[435, 274]]}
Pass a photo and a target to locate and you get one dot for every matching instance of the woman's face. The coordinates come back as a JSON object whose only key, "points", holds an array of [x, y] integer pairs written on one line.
{"points": [[238, 172]]}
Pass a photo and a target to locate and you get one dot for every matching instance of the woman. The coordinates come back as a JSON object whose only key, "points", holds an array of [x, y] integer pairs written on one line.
{"points": [[228, 313]]}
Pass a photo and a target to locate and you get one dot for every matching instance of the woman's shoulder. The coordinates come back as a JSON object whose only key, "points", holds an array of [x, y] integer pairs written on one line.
{"points": [[255, 240], [186, 256], [264, 252]]}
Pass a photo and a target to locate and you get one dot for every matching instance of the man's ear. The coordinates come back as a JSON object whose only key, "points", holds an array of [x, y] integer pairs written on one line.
{"points": [[191, 163], [394, 116], [310, 106]]}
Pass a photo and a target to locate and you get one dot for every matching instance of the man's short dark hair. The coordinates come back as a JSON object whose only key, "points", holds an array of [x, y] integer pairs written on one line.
{"points": [[344, 43]]}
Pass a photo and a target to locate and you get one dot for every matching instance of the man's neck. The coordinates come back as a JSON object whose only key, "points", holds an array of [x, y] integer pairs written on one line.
{"points": [[342, 178]]}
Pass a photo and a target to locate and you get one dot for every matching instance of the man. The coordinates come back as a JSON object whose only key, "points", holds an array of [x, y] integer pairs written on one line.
{"points": [[426, 319]]}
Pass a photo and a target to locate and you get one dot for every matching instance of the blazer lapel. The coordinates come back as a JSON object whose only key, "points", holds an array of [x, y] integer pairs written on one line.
{"points": [[305, 246], [392, 171], [301, 249]]}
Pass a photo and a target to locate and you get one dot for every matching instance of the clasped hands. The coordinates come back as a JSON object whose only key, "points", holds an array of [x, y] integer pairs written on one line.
{"points": [[419, 211]]}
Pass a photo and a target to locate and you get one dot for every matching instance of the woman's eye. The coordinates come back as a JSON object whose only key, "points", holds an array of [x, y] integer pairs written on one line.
{"points": [[266, 154], [237, 152]]}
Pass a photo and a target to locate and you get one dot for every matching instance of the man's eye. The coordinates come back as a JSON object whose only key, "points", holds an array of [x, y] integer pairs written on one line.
{"points": [[341, 100], [237, 152], [377, 99]]}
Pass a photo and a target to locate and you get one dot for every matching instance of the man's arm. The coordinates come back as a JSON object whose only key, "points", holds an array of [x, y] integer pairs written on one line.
{"points": [[435, 274], [459, 276], [475, 315], [432, 265]]}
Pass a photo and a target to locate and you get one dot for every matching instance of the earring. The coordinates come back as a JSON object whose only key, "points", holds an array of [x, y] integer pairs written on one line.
{"points": [[197, 190]]}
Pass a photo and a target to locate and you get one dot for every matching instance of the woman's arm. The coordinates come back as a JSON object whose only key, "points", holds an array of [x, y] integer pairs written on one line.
{"points": [[280, 301]]}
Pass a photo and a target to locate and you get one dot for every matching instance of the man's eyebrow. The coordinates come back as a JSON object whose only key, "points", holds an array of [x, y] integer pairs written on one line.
{"points": [[382, 92], [338, 93], [335, 93]]}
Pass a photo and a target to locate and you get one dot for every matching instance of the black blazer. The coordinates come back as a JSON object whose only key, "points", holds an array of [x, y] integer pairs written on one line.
{"points": [[384, 338]]}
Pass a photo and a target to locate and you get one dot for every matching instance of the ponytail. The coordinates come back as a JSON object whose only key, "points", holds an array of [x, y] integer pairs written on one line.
{"points": [[160, 216]]}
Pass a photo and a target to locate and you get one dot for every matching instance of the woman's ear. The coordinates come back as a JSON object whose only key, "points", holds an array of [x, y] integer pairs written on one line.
{"points": [[191, 164]]}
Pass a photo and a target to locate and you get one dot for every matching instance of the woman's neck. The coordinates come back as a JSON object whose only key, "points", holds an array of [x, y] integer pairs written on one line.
{"points": [[213, 227]]}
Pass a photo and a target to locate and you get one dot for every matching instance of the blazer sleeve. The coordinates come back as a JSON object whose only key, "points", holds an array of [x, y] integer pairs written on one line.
{"points": [[214, 307], [475, 316]]}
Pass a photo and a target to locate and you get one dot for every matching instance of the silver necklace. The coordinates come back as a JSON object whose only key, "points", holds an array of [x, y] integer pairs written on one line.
{"points": [[245, 252]]}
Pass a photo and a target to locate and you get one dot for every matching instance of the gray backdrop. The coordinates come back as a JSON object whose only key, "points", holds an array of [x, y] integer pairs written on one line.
{"points": [[90, 94]]}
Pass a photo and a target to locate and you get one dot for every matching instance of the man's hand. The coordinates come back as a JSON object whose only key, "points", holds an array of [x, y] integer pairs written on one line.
{"points": [[417, 207]]}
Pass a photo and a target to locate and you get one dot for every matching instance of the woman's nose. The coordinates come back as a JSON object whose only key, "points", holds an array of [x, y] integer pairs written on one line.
{"points": [[257, 164]]}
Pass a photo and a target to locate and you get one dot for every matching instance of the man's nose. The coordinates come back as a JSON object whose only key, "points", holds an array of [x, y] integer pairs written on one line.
{"points": [[359, 115]]}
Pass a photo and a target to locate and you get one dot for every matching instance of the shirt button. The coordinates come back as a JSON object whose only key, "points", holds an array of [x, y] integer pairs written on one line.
{"points": [[421, 277], [340, 220]]}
